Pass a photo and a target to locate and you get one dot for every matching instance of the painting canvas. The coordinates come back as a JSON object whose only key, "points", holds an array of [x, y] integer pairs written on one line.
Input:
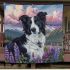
{"points": [[33, 33]]}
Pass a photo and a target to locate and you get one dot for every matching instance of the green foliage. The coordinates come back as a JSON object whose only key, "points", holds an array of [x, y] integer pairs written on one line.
{"points": [[61, 55], [45, 49]]}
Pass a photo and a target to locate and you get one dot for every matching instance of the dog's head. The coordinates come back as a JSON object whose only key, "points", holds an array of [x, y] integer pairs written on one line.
{"points": [[34, 25]]}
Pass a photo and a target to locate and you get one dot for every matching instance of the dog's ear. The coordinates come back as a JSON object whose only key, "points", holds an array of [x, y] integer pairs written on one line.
{"points": [[23, 18], [45, 13], [42, 15]]}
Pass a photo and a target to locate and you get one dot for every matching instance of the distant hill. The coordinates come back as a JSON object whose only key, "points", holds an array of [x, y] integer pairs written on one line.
{"points": [[11, 34], [55, 37]]}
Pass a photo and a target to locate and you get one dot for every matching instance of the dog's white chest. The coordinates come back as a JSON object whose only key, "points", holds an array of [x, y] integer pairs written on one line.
{"points": [[32, 46]]}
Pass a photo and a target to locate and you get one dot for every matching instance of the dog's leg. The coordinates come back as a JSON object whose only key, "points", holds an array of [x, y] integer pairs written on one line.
{"points": [[23, 51]]}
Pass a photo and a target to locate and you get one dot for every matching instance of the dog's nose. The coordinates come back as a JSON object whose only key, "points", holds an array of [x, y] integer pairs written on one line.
{"points": [[33, 30]]}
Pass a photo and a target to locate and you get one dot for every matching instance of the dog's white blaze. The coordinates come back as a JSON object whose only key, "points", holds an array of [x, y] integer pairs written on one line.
{"points": [[33, 25]]}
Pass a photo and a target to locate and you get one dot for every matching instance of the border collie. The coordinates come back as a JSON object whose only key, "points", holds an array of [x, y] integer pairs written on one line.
{"points": [[31, 43]]}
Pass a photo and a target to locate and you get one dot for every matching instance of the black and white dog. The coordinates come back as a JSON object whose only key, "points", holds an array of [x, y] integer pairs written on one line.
{"points": [[31, 43]]}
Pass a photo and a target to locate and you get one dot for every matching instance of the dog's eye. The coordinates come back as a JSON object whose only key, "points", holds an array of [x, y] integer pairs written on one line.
{"points": [[35, 19]]}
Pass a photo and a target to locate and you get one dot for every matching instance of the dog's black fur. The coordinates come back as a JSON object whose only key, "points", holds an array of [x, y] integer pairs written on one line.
{"points": [[26, 23], [40, 20], [19, 41]]}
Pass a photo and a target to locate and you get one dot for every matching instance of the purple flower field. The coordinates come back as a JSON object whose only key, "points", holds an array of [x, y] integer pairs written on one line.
{"points": [[50, 55]]}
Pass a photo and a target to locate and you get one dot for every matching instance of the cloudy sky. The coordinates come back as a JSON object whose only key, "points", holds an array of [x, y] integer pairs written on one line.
{"points": [[12, 13]]}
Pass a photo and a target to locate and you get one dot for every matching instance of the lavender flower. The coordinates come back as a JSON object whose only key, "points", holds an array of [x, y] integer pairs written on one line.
{"points": [[16, 51], [45, 55]]}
